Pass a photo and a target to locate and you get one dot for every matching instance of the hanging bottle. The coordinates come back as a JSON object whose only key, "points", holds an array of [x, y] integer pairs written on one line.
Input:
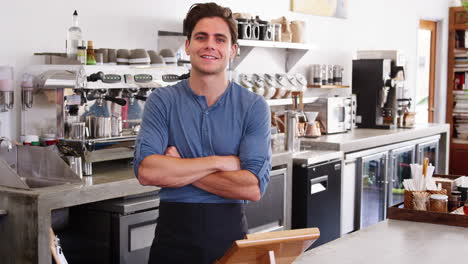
{"points": [[73, 37]]}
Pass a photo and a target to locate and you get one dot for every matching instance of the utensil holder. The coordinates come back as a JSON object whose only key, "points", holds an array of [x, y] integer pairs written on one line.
{"points": [[409, 196]]}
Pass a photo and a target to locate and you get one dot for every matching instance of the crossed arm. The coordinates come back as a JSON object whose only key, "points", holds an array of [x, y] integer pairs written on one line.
{"points": [[221, 175]]}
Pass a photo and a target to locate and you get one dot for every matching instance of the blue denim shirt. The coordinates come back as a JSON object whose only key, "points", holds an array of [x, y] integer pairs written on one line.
{"points": [[237, 124]]}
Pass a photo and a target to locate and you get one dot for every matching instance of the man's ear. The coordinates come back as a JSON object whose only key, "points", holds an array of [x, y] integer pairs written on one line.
{"points": [[233, 51], [187, 43]]}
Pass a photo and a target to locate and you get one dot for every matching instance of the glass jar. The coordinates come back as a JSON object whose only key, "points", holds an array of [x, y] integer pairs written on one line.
{"points": [[454, 201], [438, 203], [277, 32]]}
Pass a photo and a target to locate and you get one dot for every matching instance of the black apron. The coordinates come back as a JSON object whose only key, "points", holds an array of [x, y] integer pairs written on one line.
{"points": [[197, 233]]}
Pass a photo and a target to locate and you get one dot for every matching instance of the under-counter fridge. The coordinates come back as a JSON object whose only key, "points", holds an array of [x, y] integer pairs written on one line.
{"points": [[373, 180], [430, 150], [399, 170], [317, 198], [371, 189]]}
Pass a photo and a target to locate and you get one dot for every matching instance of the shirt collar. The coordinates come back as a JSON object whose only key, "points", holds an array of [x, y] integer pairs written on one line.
{"points": [[201, 99]]}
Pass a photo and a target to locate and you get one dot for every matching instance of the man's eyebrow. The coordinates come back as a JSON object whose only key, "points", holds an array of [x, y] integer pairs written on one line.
{"points": [[201, 33], [206, 34]]}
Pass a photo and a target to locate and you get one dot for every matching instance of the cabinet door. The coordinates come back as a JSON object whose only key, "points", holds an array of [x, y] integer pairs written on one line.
{"points": [[268, 214], [372, 189], [429, 150], [399, 170]]}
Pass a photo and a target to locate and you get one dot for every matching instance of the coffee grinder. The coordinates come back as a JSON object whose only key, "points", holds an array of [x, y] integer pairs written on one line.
{"points": [[379, 86]]}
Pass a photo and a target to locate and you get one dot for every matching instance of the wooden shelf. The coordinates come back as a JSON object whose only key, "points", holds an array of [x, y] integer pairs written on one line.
{"points": [[464, 69], [328, 86], [460, 142], [460, 27]]}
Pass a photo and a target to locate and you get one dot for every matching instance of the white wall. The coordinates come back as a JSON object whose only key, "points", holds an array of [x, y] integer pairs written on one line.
{"points": [[39, 26]]}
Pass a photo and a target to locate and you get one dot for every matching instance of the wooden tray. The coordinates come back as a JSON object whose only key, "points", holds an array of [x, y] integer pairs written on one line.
{"points": [[397, 213]]}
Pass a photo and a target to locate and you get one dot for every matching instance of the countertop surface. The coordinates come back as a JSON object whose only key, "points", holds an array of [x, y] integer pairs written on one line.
{"points": [[394, 241], [109, 180], [316, 156], [364, 138]]}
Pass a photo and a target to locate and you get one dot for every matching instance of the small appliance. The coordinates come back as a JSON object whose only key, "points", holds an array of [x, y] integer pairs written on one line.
{"points": [[334, 113]]}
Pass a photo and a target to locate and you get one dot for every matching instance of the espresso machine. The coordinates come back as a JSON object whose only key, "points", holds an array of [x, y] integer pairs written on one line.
{"points": [[378, 81], [94, 111]]}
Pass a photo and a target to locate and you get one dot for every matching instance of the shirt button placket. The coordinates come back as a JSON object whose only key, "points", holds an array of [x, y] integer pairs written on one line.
{"points": [[205, 138]]}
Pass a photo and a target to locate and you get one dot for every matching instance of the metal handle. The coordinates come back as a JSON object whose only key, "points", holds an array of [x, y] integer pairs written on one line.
{"points": [[3, 212], [316, 185], [95, 77], [140, 97], [118, 101], [343, 112]]}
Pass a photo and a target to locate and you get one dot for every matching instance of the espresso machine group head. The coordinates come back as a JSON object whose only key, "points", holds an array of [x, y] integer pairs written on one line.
{"points": [[95, 111]]}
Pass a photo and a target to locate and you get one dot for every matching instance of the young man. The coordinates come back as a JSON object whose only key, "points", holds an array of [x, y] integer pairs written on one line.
{"points": [[206, 142]]}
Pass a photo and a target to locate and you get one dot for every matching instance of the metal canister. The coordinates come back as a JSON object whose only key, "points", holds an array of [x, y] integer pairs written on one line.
{"points": [[78, 130], [316, 76], [99, 126], [330, 74], [116, 126], [323, 73], [292, 140], [337, 75], [103, 127]]}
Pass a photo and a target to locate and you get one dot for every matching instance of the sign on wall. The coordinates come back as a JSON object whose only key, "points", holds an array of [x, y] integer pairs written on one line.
{"points": [[333, 8]]}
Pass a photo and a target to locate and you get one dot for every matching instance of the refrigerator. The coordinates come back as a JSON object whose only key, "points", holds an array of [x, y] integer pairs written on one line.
{"points": [[371, 190]]}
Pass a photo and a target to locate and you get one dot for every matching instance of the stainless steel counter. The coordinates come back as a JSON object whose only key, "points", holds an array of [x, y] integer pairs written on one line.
{"points": [[364, 138], [25, 229], [24, 225], [394, 241]]}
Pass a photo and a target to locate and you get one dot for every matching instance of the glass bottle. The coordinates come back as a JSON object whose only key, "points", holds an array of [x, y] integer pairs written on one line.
{"points": [[90, 56], [73, 37], [81, 54]]}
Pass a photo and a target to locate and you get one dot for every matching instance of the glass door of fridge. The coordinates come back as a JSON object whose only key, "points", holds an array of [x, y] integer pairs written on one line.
{"points": [[399, 170], [372, 189], [429, 150]]}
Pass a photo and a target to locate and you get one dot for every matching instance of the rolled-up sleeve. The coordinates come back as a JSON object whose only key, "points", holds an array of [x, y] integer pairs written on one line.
{"points": [[255, 150], [153, 136]]}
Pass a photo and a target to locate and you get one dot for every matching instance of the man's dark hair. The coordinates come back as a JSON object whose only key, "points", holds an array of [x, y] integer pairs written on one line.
{"points": [[200, 11]]}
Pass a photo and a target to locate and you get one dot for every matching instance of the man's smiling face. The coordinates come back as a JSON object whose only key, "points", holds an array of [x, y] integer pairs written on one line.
{"points": [[210, 47]]}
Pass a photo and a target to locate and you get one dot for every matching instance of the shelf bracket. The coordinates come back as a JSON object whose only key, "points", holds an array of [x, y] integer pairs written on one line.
{"points": [[243, 52], [292, 57]]}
